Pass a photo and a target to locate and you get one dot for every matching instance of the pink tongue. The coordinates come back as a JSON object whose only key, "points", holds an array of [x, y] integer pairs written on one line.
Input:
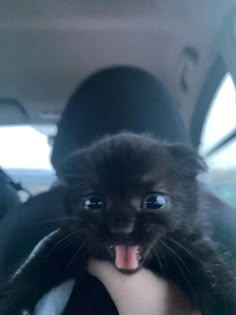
{"points": [[126, 257]]}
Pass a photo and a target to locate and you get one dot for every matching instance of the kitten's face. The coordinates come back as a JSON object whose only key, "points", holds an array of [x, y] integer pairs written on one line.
{"points": [[127, 193]]}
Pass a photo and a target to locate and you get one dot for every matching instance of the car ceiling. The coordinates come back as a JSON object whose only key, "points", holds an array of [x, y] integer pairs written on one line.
{"points": [[49, 47]]}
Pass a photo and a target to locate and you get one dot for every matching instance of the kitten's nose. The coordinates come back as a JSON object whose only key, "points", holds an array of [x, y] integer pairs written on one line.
{"points": [[117, 228]]}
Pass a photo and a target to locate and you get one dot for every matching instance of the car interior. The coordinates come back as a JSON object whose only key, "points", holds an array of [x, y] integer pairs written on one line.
{"points": [[49, 49]]}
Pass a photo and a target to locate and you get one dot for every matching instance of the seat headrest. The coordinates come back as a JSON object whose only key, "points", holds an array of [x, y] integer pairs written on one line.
{"points": [[116, 99]]}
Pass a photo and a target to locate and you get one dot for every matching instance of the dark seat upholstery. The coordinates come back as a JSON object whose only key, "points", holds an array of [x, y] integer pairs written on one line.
{"points": [[9, 198], [23, 227]]}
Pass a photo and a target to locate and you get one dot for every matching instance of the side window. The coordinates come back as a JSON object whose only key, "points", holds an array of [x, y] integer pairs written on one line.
{"points": [[25, 155], [218, 141]]}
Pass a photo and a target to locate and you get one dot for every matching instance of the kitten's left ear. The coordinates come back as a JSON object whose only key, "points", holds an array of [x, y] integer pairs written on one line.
{"points": [[187, 160], [69, 169]]}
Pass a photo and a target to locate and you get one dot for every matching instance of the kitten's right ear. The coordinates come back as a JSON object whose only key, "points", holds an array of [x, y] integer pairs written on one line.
{"points": [[188, 162]]}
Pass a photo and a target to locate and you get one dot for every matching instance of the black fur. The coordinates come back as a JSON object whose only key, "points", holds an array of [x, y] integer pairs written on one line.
{"points": [[176, 240]]}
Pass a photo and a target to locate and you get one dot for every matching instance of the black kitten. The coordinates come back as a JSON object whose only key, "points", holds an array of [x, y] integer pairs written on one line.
{"points": [[135, 202]]}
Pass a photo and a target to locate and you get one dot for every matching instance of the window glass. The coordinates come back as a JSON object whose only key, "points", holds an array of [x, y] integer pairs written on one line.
{"points": [[25, 155], [220, 122]]}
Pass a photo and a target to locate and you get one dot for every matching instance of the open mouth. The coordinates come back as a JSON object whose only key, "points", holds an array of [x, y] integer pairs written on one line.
{"points": [[127, 258]]}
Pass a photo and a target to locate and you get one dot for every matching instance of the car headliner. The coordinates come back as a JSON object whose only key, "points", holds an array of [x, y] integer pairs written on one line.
{"points": [[49, 47]]}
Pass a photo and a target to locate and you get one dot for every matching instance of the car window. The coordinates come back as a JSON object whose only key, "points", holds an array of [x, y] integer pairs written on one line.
{"points": [[219, 123], [25, 155]]}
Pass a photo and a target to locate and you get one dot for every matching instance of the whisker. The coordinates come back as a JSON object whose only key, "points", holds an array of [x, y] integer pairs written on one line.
{"points": [[159, 260], [74, 175], [66, 238], [180, 263], [80, 185], [182, 247], [57, 220], [74, 256], [177, 256], [162, 257]]}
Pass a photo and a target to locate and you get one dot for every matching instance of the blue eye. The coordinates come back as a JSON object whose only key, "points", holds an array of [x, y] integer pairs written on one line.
{"points": [[154, 201], [93, 203]]}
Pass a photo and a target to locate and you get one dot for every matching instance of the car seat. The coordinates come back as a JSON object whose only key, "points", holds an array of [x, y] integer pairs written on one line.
{"points": [[8, 194], [115, 99]]}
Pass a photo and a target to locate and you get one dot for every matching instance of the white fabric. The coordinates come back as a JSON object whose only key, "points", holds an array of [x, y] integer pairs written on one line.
{"points": [[54, 302]]}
